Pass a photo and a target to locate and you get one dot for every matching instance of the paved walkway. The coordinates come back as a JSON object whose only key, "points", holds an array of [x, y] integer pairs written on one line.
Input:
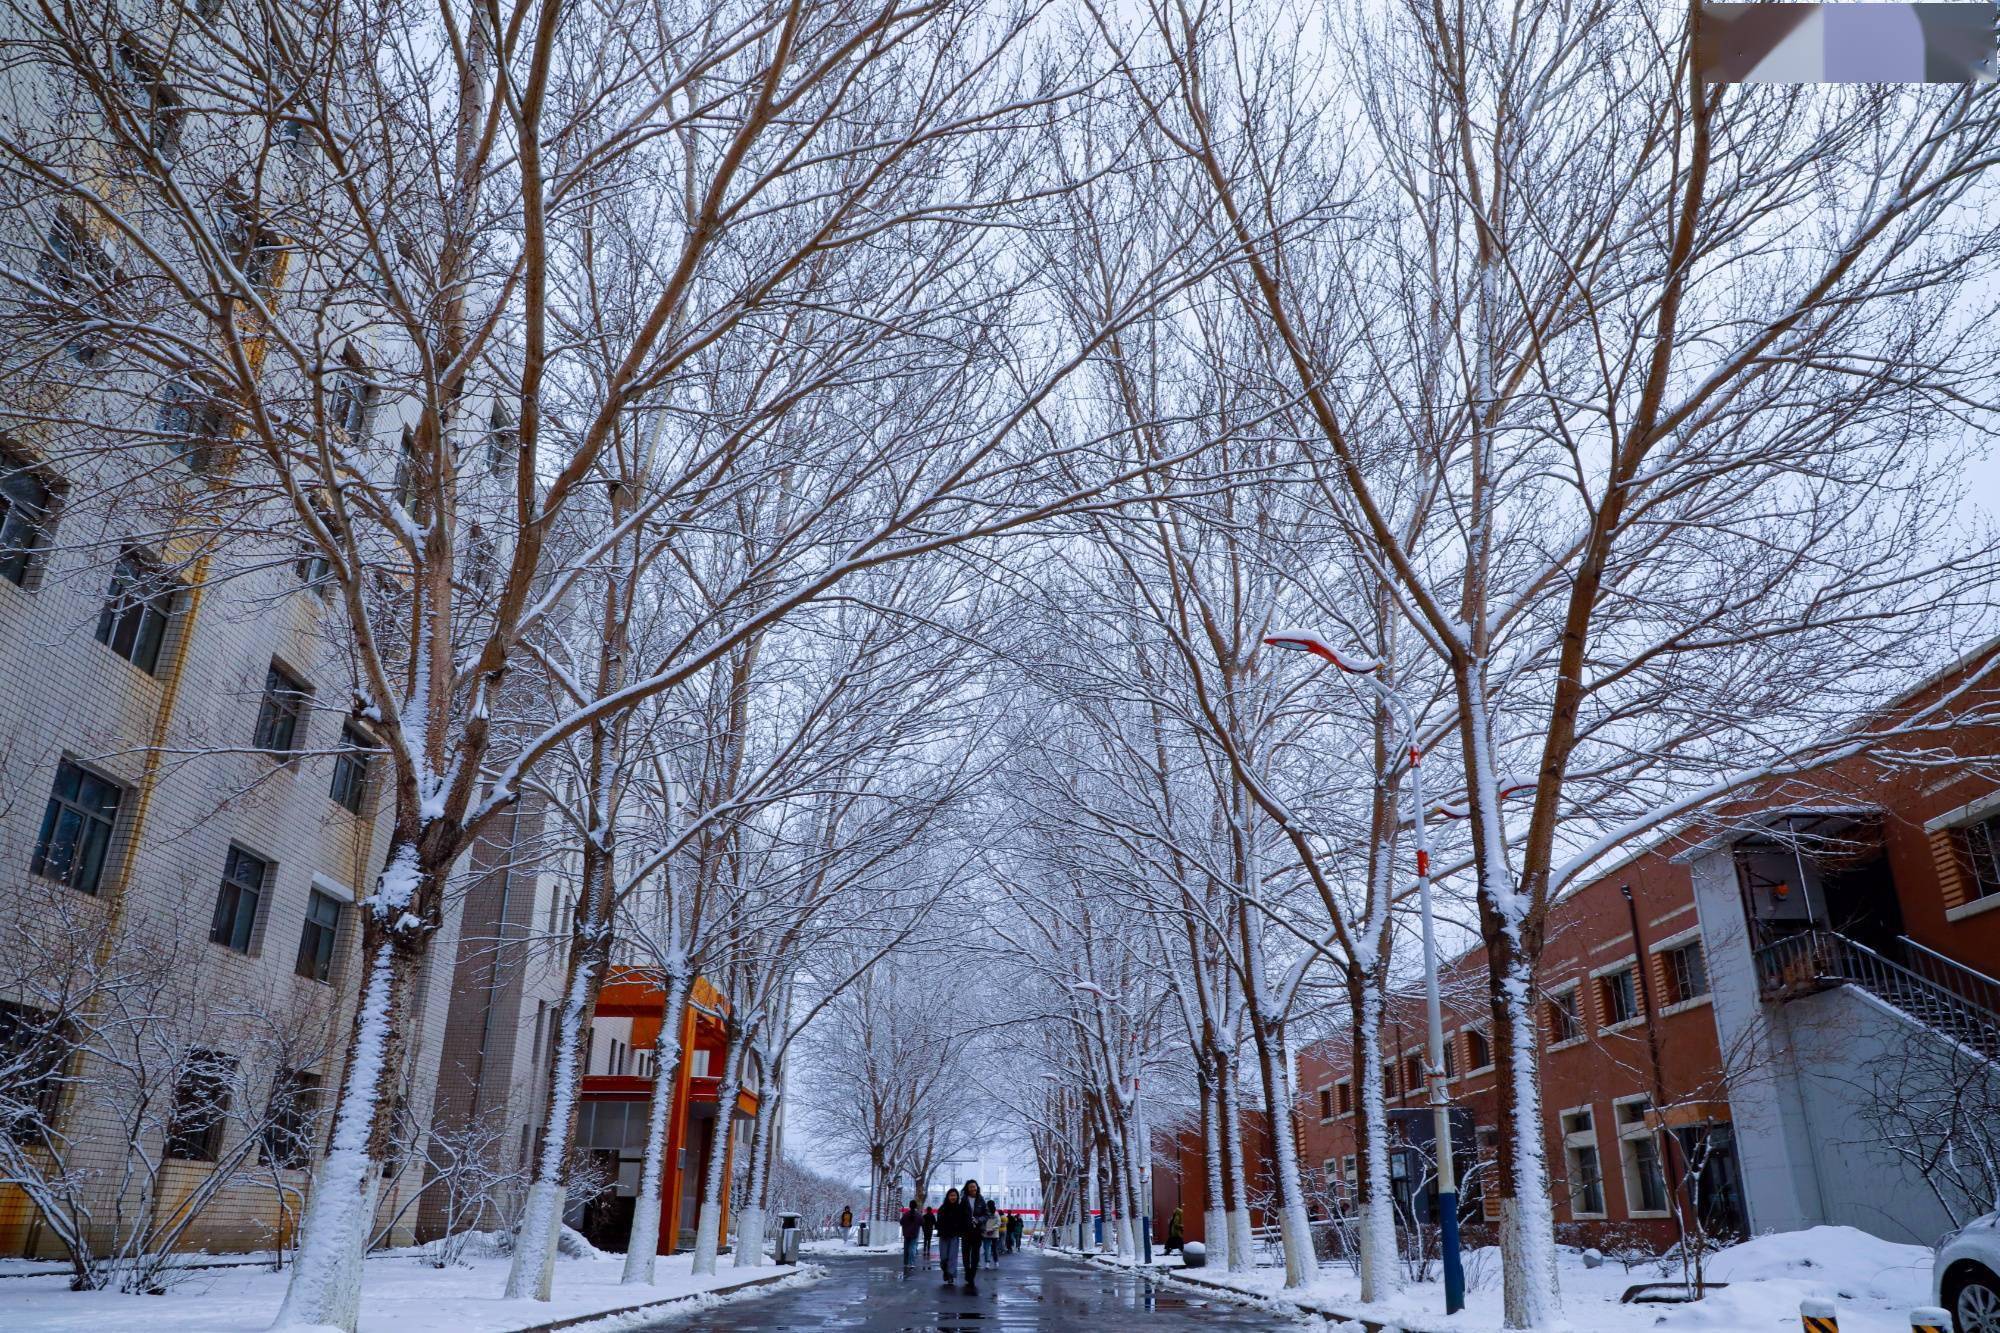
{"points": [[1026, 1293]]}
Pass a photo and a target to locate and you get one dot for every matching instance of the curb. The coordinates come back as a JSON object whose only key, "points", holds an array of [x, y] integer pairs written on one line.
{"points": [[1254, 1300], [666, 1306]]}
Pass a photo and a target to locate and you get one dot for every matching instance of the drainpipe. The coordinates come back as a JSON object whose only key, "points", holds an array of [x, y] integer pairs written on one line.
{"points": [[1669, 1144]]}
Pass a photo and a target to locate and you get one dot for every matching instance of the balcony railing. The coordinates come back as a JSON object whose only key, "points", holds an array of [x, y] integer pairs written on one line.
{"points": [[1946, 996]]}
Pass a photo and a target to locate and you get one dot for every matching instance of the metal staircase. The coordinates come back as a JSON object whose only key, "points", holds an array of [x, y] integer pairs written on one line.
{"points": [[1944, 995]]}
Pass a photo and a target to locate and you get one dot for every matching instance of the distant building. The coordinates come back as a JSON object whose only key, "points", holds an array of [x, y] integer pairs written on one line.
{"points": [[1732, 1031]]}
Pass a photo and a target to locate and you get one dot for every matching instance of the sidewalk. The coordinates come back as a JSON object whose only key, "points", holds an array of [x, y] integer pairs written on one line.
{"points": [[401, 1294]]}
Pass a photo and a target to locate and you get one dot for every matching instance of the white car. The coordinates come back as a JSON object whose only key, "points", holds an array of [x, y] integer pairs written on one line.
{"points": [[1966, 1274]]}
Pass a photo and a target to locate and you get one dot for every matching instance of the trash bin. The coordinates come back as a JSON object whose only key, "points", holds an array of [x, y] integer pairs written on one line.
{"points": [[788, 1238], [861, 1237], [1194, 1254]]}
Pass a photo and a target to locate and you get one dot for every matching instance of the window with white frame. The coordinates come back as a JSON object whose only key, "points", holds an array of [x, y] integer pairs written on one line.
{"points": [[1684, 971], [1586, 1171], [1565, 1019], [1343, 1097], [1618, 995], [1639, 1156], [1478, 1050]]}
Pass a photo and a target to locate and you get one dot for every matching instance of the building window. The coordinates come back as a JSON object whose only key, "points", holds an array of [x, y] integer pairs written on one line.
{"points": [[1388, 1080], [74, 269], [351, 396], [24, 512], [1565, 1025], [252, 247], [282, 710], [1979, 847], [33, 1049], [1413, 1072], [192, 425], [1343, 1097], [350, 770], [503, 441], [1639, 1154], [1686, 972], [316, 941], [201, 1106], [75, 840], [154, 103], [289, 1123], [133, 622], [1619, 996], [1326, 1103], [1450, 1066], [1478, 1050], [236, 902], [1586, 1177]]}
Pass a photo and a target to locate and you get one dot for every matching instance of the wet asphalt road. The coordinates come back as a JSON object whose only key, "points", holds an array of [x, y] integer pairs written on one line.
{"points": [[1026, 1294]]}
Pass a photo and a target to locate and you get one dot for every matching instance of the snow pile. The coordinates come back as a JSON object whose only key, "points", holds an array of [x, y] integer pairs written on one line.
{"points": [[401, 1292], [1874, 1283]]}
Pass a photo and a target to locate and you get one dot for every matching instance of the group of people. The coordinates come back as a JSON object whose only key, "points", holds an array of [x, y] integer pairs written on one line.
{"points": [[968, 1228]]}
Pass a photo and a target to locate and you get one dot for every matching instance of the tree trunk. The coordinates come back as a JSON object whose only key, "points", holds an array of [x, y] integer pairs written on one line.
{"points": [[1527, 1222], [1380, 1271], [325, 1286], [750, 1217], [1215, 1220], [531, 1272], [643, 1248], [1294, 1223], [708, 1227], [1235, 1184]]}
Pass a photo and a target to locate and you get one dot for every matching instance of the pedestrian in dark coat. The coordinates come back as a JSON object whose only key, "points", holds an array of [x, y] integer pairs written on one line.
{"points": [[1176, 1234], [978, 1212], [912, 1223], [930, 1225], [951, 1224]]}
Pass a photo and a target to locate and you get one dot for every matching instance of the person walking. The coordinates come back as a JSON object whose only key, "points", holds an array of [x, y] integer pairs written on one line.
{"points": [[912, 1223], [846, 1222], [930, 1225], [951, 1225], [978, 1213], [1015, 1225], [1176, 1232]]}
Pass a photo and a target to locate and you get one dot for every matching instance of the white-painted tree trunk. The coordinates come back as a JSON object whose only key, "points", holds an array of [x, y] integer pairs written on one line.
{"points": [[1532, 1296], [1215, 1220], [1240, 1255], [325, 1287], [1381, 1274], [531, 1271], [643, 1248], [708, 1223]]}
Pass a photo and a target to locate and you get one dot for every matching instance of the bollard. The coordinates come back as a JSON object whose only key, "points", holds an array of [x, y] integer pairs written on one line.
{"points": [[1818, 1316], [1930, 1319]]}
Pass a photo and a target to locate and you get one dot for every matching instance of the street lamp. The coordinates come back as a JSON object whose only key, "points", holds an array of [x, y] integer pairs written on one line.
{"points": [[1368, 669]]}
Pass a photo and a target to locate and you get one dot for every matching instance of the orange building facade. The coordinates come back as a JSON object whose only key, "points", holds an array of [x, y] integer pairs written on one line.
{"points": [[617, 1100]]}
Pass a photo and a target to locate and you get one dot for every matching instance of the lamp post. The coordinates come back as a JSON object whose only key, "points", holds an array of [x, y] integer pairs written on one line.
{"points": [[1367, 668]]}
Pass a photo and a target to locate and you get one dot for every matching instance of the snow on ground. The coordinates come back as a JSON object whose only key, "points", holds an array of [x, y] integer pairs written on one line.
{"points": [[1873, 1282], [400, 1293]]}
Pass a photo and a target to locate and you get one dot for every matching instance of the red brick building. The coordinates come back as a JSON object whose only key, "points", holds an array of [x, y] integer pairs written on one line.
{"points": [[1725, 1016]]}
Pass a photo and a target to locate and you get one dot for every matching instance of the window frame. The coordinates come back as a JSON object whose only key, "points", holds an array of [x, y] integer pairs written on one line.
{"points": [[229, 927], [1604, 979], [1576, 1141], [200, 1141], [1552, 1001], [1668, 951], [1631, 1133], [194, 441], [353, 768], [289, 1137], [35, 1037], [287, 703], [317, 963], [24, 517], [142, 621], [87, 818], [1474, 1033], [1343, 1098]]}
